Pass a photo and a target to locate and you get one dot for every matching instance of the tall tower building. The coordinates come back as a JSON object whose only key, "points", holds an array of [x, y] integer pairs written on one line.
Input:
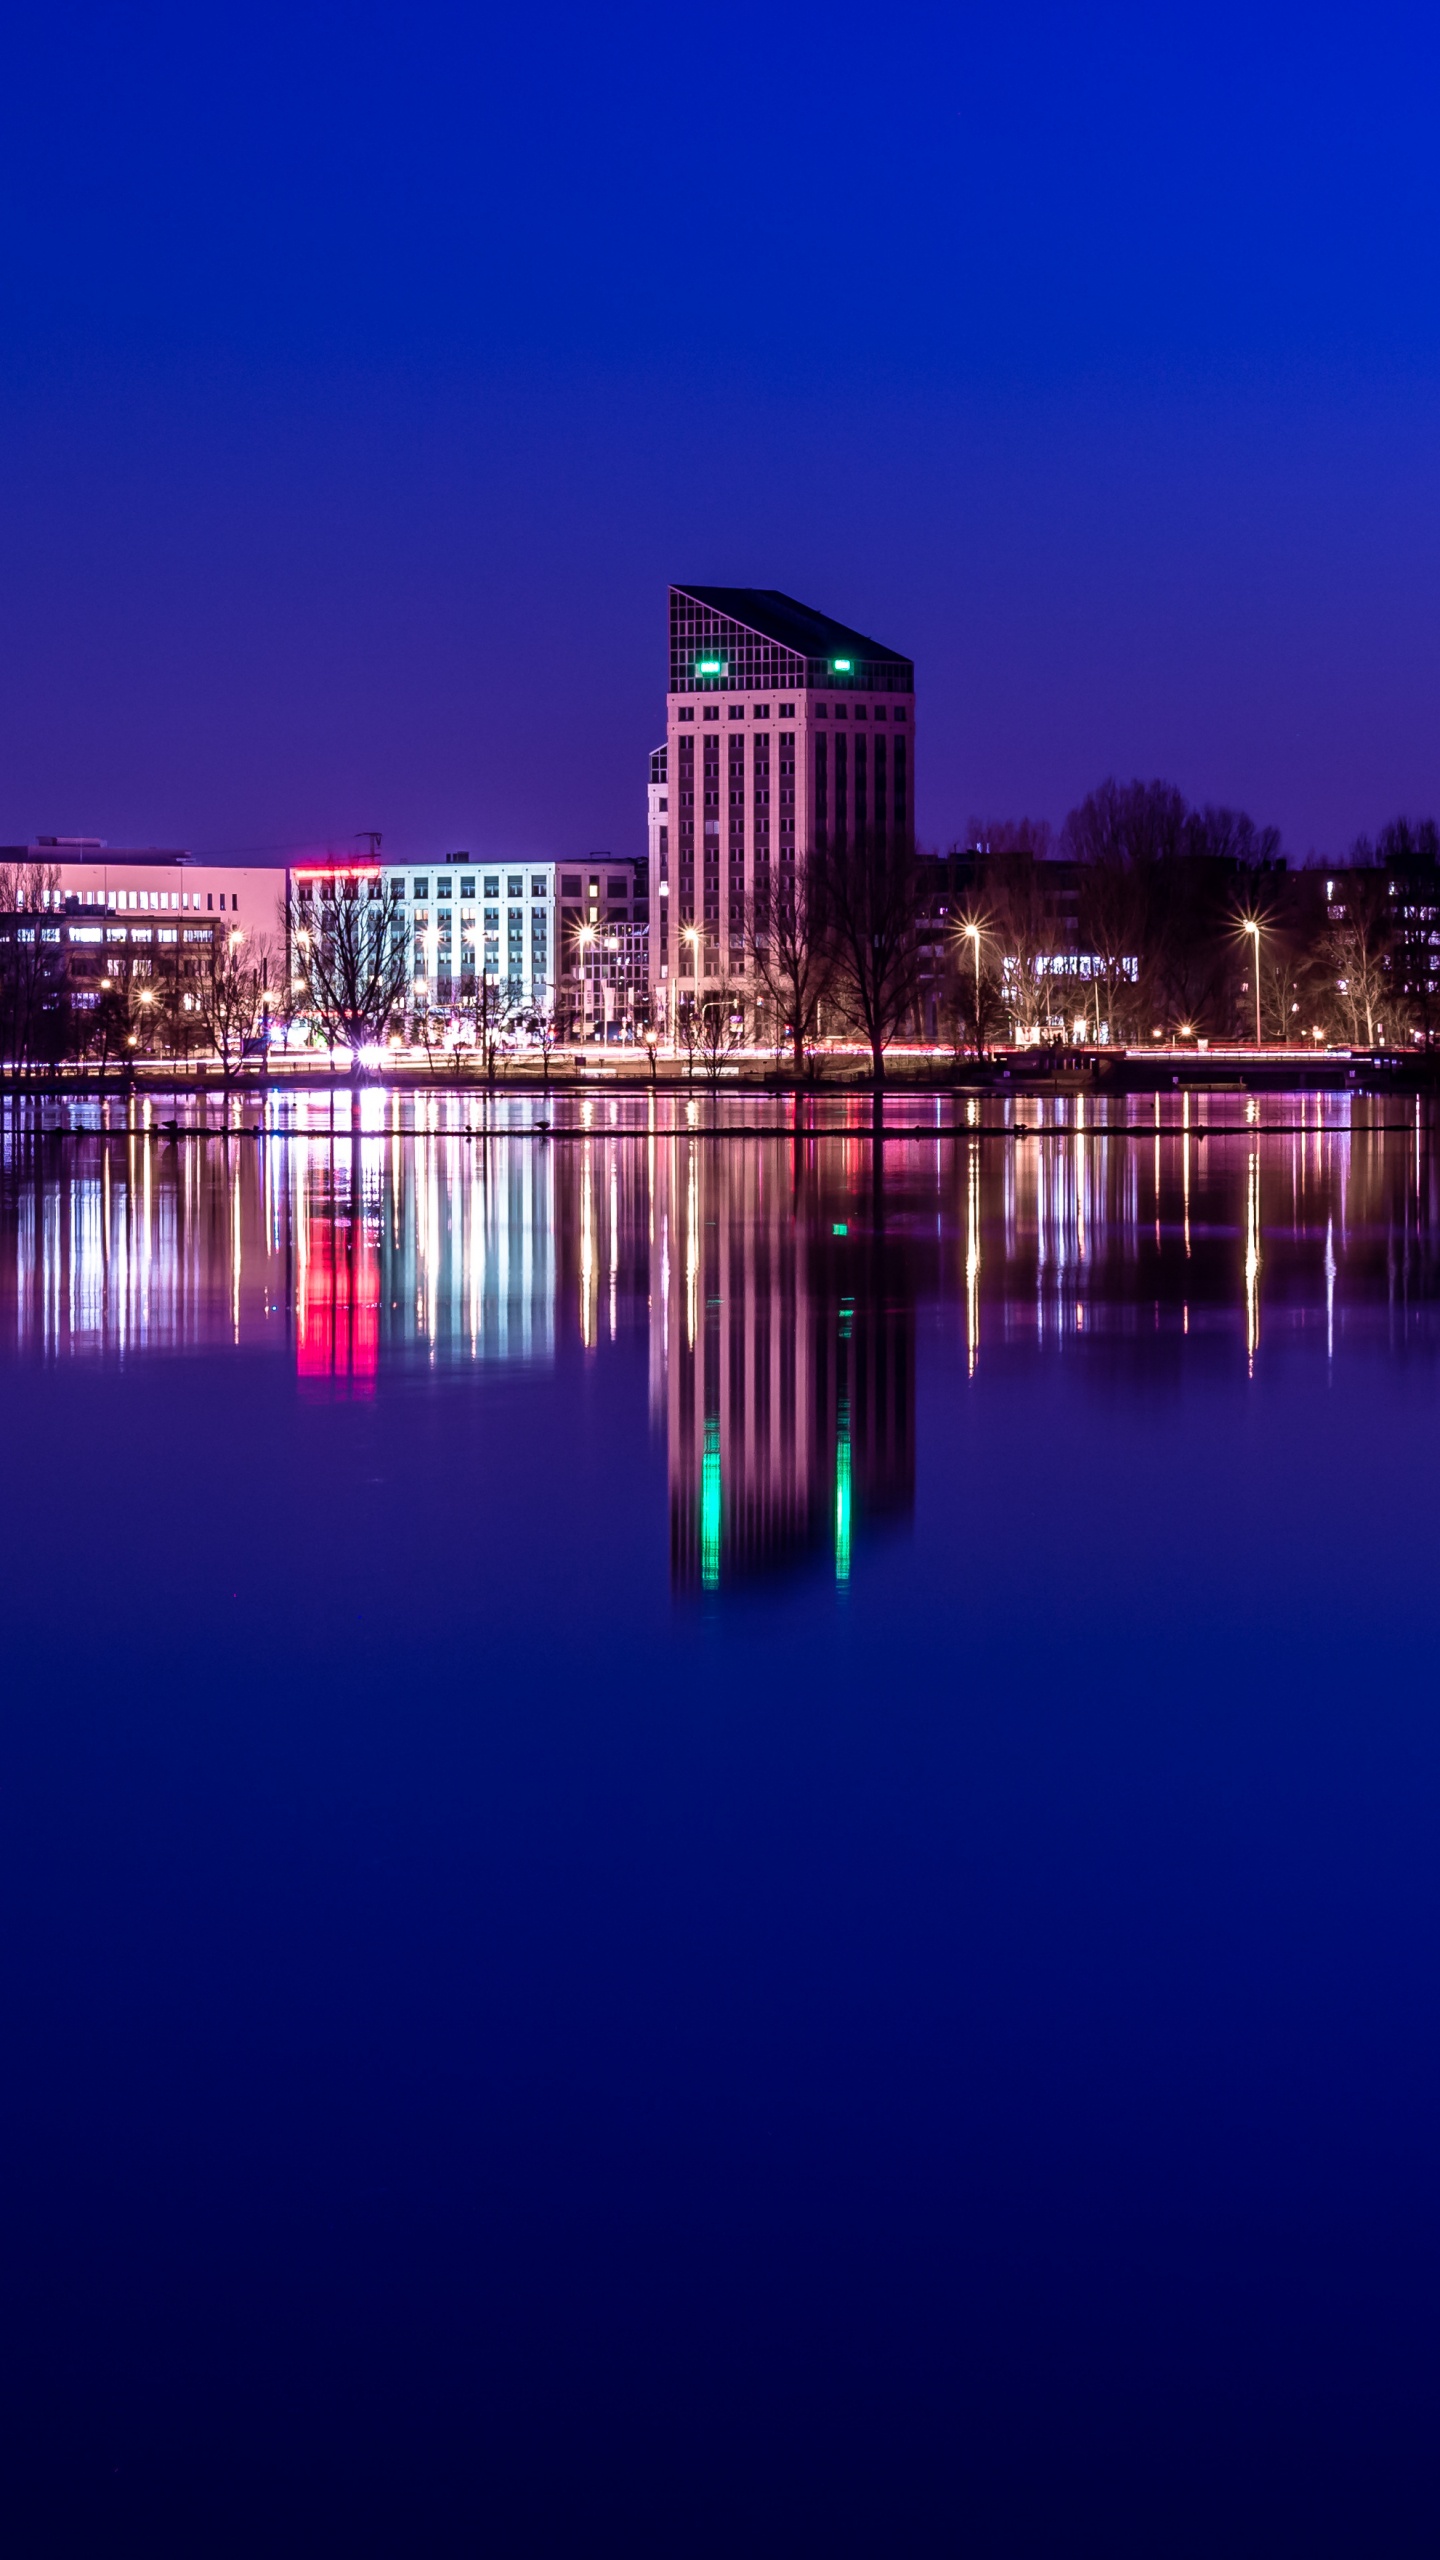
{"points": [[784, 730]]}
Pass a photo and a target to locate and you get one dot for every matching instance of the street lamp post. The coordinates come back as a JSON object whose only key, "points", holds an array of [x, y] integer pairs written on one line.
{"points": [[584, 935], [1253, 929], [973, 932]]}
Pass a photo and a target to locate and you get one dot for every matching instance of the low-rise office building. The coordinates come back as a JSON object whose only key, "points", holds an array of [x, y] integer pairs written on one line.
{"points": [[461, 922], [604, 915], [92, 916]]}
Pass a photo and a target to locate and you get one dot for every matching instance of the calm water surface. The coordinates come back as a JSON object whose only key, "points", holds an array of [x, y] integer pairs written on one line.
{"points": [[696, 1857]]}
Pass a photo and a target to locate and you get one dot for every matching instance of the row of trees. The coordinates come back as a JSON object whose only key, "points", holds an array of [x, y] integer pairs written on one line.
{"points": [[836, 944], [1189, 921], [1144, 915]]}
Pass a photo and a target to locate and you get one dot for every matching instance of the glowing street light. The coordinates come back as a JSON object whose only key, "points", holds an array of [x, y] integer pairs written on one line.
{"points": [[1251, 926], [972, 934]]}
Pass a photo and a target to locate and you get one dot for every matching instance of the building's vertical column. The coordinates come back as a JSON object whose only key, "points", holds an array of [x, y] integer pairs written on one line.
{"points": [[785, 791], [903, 770], [662, 958], [683, 819], [711, 787], [733, 920]]}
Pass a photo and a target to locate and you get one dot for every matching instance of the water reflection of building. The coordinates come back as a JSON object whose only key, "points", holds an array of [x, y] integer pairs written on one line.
{"points": [[354, 1245], [442, 1244], [115, 1241], [783, 1357]]}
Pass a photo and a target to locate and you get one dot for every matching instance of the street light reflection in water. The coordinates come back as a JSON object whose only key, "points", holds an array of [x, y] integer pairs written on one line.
{"points": [[784, 1294]]}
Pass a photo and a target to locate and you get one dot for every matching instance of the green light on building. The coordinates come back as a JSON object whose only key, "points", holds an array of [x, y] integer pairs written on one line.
{"points": [[843, 666], [710, 1505], [712, 666]]}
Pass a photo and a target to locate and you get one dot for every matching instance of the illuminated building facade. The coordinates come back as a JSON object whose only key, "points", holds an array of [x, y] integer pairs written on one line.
{"points": [[460, 920], [604, 941], [784, 729], [103, 913], [463, 918]]}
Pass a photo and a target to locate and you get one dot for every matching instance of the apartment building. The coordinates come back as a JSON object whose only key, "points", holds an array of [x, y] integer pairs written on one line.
{"points": [[784, 730]]}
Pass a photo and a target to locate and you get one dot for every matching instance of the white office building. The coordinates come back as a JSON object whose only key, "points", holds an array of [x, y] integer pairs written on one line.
{"points": [[463, 917]]}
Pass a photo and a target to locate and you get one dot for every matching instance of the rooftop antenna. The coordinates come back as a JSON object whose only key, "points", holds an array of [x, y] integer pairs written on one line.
{"points": [[370, 836]]}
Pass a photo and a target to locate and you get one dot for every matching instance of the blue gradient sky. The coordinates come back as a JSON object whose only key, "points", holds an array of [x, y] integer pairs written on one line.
{"points": [[368, 373]]}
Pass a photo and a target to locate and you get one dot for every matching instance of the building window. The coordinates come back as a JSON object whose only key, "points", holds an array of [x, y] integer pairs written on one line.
{"points": [[422, 888], [443, 889], [492, 885], [467, 888]]}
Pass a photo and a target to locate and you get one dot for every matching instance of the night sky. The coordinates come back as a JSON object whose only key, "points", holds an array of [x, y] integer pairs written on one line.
{"points": [[368, 372]]}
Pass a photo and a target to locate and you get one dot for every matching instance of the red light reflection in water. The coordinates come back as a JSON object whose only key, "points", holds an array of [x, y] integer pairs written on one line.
{"points": [[337, 1314]]}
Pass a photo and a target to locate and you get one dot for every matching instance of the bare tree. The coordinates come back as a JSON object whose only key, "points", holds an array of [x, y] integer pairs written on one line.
{"points": [[688, 1036], [29, 888], [975, 1003], [869, 889], [1122, 835], [535, 1023], [719, 1032], [432, 1030], [228, 996], [348, 960], [1357, 949], [789, 947], [1408, 850], [493, 1012]]}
